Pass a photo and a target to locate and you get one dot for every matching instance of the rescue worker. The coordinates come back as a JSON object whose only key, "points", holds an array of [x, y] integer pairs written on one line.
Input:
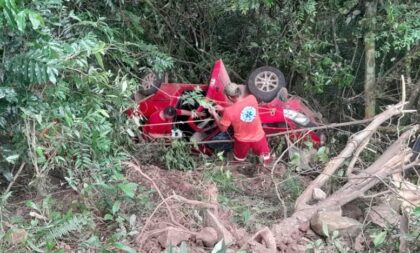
{"points": [[159, 124], [245, 120]]}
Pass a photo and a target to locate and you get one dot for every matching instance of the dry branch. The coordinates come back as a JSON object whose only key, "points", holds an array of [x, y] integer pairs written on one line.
{"points": [[14, 178], [404, 232], [175, 232], [355, 142], [287, 231], [137, 168], [262, 240]]}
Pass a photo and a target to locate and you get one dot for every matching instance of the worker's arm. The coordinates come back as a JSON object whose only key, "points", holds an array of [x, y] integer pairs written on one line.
{"points": [[190, 113], [219, 108], [217, 119]]}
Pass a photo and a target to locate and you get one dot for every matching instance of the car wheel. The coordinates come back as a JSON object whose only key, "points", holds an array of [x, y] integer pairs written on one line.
{"points": [[265, 82], [150, 83]]}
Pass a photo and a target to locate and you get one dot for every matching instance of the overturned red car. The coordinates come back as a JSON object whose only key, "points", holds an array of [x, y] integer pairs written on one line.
{"points": [[278, 111]]}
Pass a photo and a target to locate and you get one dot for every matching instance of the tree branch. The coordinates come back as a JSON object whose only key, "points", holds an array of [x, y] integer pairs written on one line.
{"points": [[335, 163]]}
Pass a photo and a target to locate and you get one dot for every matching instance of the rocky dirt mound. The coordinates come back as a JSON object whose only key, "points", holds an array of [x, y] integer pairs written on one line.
{"points": [[202, 223]]}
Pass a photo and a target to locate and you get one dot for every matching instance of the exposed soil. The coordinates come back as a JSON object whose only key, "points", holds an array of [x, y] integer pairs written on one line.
{"points": [[248, 201]]}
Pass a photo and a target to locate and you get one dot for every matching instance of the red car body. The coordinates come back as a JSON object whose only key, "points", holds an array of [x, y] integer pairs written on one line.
{"points": [[272, 114]]}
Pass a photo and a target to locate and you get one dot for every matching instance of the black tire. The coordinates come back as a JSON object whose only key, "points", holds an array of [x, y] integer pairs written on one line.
{"points": [[265, 82], [150, 83]]}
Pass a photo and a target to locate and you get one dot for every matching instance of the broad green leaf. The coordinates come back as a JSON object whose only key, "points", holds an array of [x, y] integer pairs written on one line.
{"points": [[103, 112], [325, 230], [12, 158], [254, 44], [116, 207], [10, 16], [32, 205], [72, 15], [295, 160], [36, 20], [183, 248], [308, 246], [246, 215], [379, 239], [93, 242], [38, 118], [99, 59], [124, 247], [31, 71], [38, 73], [322, 154], [34, 247], [417, 211], [11, 4], [128, 188], [220, 247], [21, 21], [130, 132], [170, 249], [124, 84], [108, 217], [39, 151], [7, 174], [309, 144], [52, 74]]}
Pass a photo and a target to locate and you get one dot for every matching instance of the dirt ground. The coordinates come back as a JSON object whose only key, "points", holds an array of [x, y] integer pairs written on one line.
{"points": [[247, 199]]}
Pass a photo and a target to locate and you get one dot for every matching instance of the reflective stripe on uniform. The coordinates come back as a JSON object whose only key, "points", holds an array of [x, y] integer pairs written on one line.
{"points": [[239, 159]]}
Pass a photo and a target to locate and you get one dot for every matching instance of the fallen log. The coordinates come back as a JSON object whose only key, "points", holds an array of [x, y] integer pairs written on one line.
{"points": [[394, 160], [354, 145]]}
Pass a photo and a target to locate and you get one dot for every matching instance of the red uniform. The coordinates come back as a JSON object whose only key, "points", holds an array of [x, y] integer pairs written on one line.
{"points": [[157, 126], [248, 132]]}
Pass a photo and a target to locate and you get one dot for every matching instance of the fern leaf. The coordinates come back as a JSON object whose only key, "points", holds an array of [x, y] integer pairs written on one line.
{"points": [[75, 223]]}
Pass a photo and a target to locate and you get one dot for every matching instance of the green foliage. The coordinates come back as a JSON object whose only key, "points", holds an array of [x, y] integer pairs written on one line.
{"points": [[47, 226], [295, 160], [69, 67], [128, 188], [68, 70], [317, 44], [63, 228], [60, 97], [195, 98], [322, 154], [216, 172], [183, 248], [379, 238], [220, 247], [414, 217], [124, 247], [292, 185], [398, 27], [333, 240], [176, 156]]}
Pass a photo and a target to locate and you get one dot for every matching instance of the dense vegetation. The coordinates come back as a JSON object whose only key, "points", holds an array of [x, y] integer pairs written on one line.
{"points": [[69, 68]]}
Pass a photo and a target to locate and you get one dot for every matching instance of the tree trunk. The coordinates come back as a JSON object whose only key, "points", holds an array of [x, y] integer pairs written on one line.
{"points": [[393, 160], [369, 40]]}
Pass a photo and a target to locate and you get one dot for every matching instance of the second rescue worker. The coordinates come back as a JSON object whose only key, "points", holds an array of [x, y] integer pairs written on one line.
{"points": [[245, 120]]}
